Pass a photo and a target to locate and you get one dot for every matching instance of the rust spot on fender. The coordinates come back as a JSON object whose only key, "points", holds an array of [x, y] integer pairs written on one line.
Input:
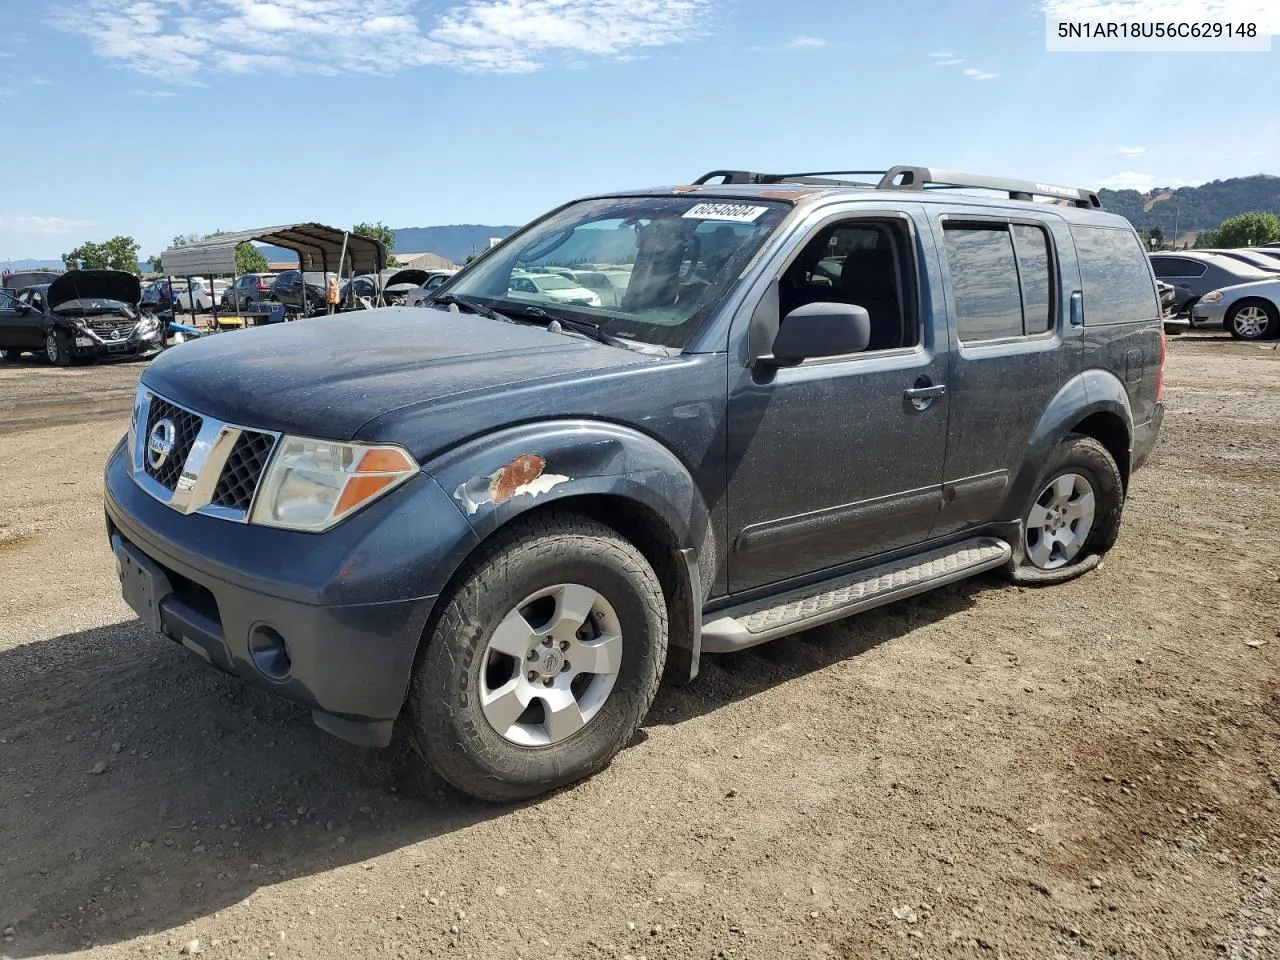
{"points": [[525, 468]]}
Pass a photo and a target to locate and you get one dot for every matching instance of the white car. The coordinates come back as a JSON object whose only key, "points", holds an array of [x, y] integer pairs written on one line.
{"points": [[202, 294], [1247, 311], [550, 286]]}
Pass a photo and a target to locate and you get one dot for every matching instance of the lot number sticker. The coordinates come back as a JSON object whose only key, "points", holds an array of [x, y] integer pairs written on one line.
{"points": [[734, 212]]}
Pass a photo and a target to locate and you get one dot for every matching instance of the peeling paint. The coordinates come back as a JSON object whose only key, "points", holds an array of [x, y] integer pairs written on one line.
{"points": [[523, 476]]}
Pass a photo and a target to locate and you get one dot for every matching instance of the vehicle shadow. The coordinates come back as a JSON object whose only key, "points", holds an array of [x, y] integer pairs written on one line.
{"points": [[143, 790]]}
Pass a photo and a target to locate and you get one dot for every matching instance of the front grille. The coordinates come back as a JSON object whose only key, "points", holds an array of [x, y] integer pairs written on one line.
{"points": [[243, 470], [186, 427]]}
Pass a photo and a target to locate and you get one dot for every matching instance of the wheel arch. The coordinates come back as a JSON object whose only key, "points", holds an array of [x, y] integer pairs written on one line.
{"points": [[1094, 403], [613, 474]]}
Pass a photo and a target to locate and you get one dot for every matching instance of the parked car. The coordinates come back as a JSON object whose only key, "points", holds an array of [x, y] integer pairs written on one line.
{"points": [[398, 285], [597, 281], [435, 280], [160, 296], [1254, 258], [82, 316], [288, 288], [1168, 294], [202, 294], [247, 290], [517, 517], [1195, 274], [1247, 311], [1270, 251], [551, 288]]}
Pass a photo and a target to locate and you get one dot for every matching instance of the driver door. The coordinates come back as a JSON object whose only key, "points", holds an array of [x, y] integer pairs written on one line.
{"points": [[839, 458]]}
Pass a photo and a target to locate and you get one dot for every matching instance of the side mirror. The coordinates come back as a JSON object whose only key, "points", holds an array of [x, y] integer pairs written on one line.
{"points": [[820, 330], [23, 308]]}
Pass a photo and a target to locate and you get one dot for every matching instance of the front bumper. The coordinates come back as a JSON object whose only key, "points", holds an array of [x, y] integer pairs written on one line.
{"points": [[350, 604], [1209, 314]]}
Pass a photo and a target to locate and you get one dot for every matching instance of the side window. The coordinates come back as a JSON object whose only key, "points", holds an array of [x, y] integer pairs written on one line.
{"points": [[1193, 268], [1035, 273], [1116, 276], [1164, 267], [984, 281], [862, 262]]}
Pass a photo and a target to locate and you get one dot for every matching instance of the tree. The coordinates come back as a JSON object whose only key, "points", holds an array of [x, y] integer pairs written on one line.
{"points": [[380, 231], [157, 265], [1249, 229], [1206, 239], [118, 253]]}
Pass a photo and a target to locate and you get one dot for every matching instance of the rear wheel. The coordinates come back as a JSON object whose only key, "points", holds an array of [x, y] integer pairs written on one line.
{"points": [[1074, 516], [543, 662], [1253, 320]]}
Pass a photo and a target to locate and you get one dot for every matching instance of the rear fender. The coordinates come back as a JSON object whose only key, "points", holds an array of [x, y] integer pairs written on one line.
{"points": [[1090, 392]]}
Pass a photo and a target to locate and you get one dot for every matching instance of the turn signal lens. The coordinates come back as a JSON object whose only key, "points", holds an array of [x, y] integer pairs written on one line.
{"points": [[312, 485]]}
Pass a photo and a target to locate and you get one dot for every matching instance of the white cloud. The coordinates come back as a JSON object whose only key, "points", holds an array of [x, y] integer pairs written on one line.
{"points": [[807, 41], [33, 225], [152, 93], [949, 63], [973, 74], [1131, 151], [947, 55], [176, 40], [1265, 13], [40, 82]]}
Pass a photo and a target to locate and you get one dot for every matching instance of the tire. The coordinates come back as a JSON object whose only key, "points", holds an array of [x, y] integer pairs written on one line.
{"points": [[543, 566], [1073, 517], [10, 355], [1252, 319], [57, 348]]}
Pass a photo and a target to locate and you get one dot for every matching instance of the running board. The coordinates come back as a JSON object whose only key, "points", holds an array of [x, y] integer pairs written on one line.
{"points": [[751, 623]]}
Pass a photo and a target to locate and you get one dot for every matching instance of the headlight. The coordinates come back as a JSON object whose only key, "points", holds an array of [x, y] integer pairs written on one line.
{"points": [[313, 484], [1213, 297]]}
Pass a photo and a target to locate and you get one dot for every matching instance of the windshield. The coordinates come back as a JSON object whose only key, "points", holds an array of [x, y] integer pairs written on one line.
{"points": [[669, 260]]}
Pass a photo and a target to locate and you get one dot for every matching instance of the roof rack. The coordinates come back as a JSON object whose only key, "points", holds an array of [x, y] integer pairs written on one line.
{"points": [[911, 178]]}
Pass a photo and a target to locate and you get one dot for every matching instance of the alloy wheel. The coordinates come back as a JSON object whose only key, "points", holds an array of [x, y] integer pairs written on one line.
{"points": [[550, 665], [1251, 322], [1060, 521], [51, 347]]}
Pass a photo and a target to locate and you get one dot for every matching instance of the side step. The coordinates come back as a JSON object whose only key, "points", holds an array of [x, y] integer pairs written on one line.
{"points": [[751, 623]]}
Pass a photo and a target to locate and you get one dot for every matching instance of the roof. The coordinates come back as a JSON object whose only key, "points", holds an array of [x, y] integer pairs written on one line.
{"points": [[319, 247]]}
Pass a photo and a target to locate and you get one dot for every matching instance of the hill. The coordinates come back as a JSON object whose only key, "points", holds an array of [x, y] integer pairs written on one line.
{"points": [[1194, 208]]}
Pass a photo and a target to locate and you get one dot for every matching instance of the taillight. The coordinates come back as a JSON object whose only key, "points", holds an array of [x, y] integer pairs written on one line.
{"points": [[1160, 377]]}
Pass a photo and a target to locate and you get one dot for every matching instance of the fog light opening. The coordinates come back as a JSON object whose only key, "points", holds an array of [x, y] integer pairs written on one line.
{"points": [[269, 652]]}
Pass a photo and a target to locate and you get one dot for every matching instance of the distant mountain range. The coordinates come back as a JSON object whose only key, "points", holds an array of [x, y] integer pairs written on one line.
{"points": [[1193, 209]]}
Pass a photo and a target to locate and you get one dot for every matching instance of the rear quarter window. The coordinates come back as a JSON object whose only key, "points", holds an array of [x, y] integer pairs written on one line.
{"points": [[1116, 276]]}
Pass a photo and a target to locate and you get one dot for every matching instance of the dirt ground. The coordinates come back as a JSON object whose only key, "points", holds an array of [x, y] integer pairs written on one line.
{"points": [[1078, 771]]}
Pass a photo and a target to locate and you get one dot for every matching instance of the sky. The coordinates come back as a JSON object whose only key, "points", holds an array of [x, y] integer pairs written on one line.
{"points": [[153, 118]]}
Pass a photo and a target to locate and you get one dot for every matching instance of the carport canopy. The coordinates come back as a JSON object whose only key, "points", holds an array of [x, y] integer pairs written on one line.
{"points": [[318, 248]]}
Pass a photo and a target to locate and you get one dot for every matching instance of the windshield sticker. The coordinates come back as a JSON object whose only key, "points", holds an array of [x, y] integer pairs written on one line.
{"points": [[733, 212]]}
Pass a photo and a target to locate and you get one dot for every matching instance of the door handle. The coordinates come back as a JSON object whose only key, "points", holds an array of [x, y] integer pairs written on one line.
{"points": [[924, 395]]}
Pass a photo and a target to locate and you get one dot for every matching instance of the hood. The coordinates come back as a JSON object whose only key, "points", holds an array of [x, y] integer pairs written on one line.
{"points": [[328, 376], [412, 278], [94, 285]]}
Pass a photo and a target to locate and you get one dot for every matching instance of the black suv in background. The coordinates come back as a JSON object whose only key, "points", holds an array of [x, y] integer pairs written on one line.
{"points": [[248, 290], [288, 288], [505, 521]]}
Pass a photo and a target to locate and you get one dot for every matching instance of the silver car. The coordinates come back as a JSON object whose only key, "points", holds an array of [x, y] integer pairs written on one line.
{"points": [[1247, 311], [1194, 274]]}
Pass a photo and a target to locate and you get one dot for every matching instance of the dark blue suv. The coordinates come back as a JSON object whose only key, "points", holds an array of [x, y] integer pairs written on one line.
{"points": [[503, 518]]}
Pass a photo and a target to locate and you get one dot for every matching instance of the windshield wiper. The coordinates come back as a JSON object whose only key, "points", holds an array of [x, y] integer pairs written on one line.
{"points": [[468, 304], [586, 328]]}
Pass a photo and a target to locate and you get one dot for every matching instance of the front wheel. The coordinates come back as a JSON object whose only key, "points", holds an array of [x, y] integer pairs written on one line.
{"points": [[57, 348], [1074, 516], [1253, 320], [543, 662]]}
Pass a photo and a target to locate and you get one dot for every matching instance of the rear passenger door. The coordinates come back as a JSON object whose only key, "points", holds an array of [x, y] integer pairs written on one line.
{"points": [[1012, 348]]}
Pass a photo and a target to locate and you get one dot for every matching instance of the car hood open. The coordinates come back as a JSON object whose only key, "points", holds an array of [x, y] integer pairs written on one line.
{"points": [[408, 278], [94, 285], [328, 376]]}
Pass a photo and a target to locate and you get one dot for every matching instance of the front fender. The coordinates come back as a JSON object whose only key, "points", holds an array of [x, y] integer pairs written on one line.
{"points": [[1090, 392], [496, 478]]}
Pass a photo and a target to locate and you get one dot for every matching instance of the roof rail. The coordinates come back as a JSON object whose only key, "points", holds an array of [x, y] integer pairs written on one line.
{"points": [[914, 178]]}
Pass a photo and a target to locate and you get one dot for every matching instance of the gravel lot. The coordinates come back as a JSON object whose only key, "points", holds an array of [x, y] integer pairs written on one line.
{"points": [[1078, 771]]}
